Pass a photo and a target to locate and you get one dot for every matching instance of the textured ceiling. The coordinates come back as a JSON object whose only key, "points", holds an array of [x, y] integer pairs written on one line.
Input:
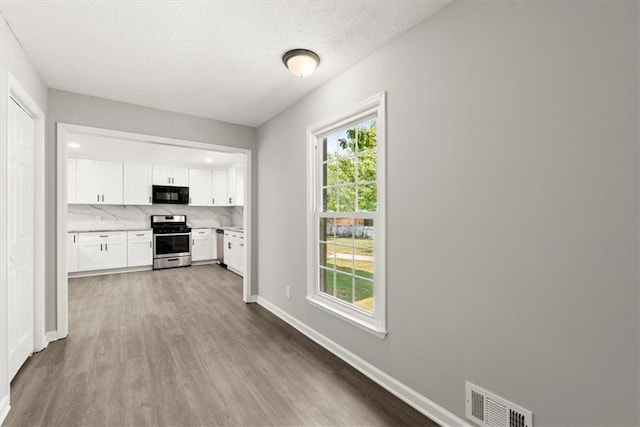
{"points": [[214, 59]]}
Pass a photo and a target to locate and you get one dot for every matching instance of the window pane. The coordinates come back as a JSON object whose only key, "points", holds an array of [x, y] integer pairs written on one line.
{"points": [[330, 199], [346, 198], [327, 280], [346, 140], [327, 229], [326, 255], [367, 136], [344, 258], [368, 166], [364, 293], [346, 170], [367, 198], [344, 231], [344, 287], [331, 173], [330, 147]]}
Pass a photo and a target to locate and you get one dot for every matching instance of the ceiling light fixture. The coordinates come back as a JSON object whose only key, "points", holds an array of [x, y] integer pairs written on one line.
{"points": [[208, 160], [301, 62], [73, 145]]}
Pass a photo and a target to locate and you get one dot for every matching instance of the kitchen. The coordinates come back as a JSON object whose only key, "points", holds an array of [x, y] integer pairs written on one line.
{"points": [[135, 205]]}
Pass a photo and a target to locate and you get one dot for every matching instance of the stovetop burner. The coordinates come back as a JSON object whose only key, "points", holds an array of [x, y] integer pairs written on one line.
{"points": [[166, 224]]}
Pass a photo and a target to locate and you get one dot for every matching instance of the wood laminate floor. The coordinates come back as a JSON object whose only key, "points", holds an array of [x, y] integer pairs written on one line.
{"points": [[179, 347]]}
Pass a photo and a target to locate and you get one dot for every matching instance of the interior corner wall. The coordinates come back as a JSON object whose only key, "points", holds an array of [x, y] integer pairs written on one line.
{"points": [[13, 60], [73, 108], [512, 207]]}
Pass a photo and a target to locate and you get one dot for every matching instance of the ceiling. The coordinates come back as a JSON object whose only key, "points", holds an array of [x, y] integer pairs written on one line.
{"points": [[213, 59]]}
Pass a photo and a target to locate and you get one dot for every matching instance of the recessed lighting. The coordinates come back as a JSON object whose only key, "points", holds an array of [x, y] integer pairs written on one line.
{"points": [[208, 160], [301, 62], [73, 145]]}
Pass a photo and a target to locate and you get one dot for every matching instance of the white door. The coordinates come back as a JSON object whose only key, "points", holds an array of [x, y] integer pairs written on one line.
{"points": [[115, 253], [200, 187], [111, 183], [161, 175], [21, 192], [88, 181], [137, 184], [219, 188], [180, 177]]}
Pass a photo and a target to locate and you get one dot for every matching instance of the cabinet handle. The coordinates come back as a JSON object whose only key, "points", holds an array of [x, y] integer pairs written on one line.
{"points": [[149, 244], [106, 248], [100, 247], [172, 180], [98, 198], [149, 199], [230, 200], [213, 201], [139, 235], [189, 200], [229, 245], [168, 180], [74, 238]]}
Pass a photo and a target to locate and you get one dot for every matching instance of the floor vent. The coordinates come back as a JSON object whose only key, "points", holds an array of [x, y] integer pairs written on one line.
{"points": [[488, 410]]}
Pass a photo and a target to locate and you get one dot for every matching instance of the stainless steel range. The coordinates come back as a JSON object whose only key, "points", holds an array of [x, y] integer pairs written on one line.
{"points": [[171, 241]]}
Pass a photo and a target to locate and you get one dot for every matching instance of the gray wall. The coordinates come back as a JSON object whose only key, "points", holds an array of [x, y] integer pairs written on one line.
{"points": [[13, 60], [512, 207], [66, 107]]}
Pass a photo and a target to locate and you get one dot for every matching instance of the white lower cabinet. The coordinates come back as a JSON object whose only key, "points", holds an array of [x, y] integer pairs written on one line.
{"points": [[203, 247], [72, 252], [102, 250], [139, 248], [234, 251]]}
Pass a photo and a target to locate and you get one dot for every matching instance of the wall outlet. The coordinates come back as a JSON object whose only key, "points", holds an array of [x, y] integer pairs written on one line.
{"points": [[287, 291]]}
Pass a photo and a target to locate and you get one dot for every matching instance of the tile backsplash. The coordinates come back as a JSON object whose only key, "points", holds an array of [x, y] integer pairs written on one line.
{"points": [[117, 217]]}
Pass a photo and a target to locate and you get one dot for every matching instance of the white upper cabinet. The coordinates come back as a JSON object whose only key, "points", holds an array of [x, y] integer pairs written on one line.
{"points": [[98, 182], [200, 193], [170, 175], [235, 186], [72, 180], [219, 188], [137, 184]]}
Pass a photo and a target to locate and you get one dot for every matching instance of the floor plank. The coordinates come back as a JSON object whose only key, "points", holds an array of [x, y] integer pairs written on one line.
{"points": [[179, 347]]}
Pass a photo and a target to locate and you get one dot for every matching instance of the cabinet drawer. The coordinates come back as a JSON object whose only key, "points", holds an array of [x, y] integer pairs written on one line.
{"points": [[200, 233], [118, 236], [134, 236]]}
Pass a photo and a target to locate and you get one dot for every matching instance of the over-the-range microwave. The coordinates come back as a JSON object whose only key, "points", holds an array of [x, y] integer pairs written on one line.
{"points": [[173, 195]]}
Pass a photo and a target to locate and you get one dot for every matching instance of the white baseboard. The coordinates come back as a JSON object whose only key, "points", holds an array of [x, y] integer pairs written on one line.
{"points": [[414, 399], [4, 409], [52, 336]]}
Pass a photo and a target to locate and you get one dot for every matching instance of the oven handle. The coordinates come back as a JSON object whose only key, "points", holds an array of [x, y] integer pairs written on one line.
{"points": [[171, 234]]}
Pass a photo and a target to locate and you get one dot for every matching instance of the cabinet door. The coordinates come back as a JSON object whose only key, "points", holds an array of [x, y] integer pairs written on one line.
{"points": [[161, 175], [137, 184], [241, 258], [231, 186], [111, 183], [200, 187], [71, 180], [240, 186], [89, 255], [139, 248], [115, 253], [202, 247], [180, 177], [72, 252], [88, 181], [219, 188]]}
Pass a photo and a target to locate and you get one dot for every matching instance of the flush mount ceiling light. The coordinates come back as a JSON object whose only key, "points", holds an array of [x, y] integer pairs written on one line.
{"points": [[73, 145], [208, 160], [301, 62]]}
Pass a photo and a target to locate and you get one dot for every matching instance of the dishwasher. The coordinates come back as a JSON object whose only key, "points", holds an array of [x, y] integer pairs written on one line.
{"points": [[220, 246]]}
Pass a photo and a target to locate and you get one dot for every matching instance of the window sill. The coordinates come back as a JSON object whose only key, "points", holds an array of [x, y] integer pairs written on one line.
{"points": [[345, 315]]}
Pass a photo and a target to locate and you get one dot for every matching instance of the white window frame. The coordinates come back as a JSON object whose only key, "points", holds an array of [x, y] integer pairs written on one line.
{"points": [[375, 322]]}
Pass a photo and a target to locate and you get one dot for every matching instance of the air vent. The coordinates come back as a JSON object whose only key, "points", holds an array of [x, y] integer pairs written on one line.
{"points": [[489, 410]]}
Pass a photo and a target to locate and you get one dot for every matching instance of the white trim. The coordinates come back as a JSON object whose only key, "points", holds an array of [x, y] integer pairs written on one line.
{"points": [[5, 407], [21, 96], [52, 336], [62, 130], [92, 273], [414, 399], [371, 322]]}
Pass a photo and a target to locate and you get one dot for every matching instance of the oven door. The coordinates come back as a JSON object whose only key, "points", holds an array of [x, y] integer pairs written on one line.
{"points": [[171, 245]]}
